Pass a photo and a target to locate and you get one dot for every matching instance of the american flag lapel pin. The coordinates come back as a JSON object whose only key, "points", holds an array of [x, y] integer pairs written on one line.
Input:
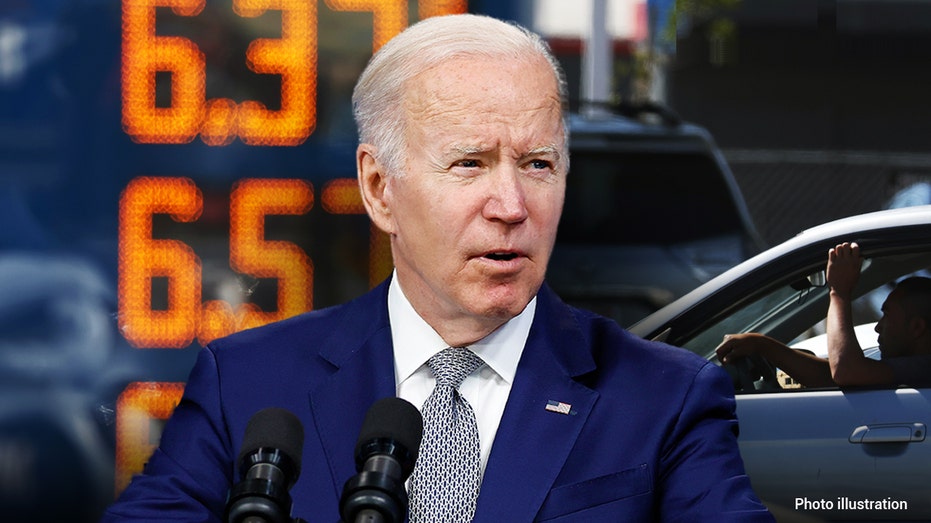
{"points": [[559, 407]]}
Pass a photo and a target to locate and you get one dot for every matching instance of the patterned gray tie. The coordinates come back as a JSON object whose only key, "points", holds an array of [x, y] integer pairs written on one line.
{"points": [[446, 479]]}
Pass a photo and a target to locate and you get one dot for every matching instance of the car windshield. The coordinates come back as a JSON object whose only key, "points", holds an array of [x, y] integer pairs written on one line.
{"points": [[683, 196]]}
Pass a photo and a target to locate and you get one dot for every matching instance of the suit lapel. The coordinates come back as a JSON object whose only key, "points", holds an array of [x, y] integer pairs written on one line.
{"points": [[360, 352], [532, 443]]}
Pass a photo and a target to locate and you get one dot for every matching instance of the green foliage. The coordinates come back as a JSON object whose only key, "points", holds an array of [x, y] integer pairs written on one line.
{"points": [[695, 10]]}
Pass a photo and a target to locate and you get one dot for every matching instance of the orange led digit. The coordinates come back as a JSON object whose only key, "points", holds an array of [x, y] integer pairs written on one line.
{"points": [[294, 57], [144, 54], [428, 8], [218, 121], [380, 262], [342, 196], [137, 406], [217, 319], [142, 258], [389, 16], [221, 122], [250, 201]]}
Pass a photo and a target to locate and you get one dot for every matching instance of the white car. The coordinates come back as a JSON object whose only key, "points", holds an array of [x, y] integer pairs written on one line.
{"points": [[828, 454]]}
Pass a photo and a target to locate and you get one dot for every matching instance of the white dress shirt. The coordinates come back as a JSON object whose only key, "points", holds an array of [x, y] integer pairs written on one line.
{"points": [[486, 389]]}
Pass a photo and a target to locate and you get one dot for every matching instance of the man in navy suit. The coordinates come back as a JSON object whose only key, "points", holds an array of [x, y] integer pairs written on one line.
{"points": [[463, 162]]}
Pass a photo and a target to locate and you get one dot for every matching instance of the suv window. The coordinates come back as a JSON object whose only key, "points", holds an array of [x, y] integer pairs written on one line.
{"points": [[651, 212], [650, 197]]}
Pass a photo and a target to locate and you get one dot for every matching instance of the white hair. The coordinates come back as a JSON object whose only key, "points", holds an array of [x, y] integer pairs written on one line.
{"points": [[377, 97]]}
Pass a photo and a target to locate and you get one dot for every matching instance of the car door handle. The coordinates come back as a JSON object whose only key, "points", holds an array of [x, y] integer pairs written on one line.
{"points": [[889, 433]]}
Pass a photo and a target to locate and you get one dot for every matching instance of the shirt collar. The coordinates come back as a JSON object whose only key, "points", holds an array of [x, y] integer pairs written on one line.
{"points": [[415, 341]]}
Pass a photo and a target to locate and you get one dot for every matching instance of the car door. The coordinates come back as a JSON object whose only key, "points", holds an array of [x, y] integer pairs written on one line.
{"points": [[819, 454], [839, 454]]}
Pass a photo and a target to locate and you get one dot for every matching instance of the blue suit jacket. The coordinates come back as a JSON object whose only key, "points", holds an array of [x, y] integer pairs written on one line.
{"points": [[652, 435]]}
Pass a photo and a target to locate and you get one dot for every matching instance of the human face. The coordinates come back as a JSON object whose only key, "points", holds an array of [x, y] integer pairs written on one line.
{"points": [[473, 216], [892, 327]]}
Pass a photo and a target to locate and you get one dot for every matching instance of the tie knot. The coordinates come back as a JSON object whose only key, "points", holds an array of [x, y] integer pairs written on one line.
{"points": [[453, 364]]}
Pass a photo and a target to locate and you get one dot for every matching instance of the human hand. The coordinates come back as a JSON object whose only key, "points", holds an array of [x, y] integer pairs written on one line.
{"points": [[737, 346], [843, 269]]}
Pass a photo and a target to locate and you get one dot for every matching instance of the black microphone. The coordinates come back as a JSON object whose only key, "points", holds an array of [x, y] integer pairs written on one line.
{"points": [[385, 454], [270, 462]]}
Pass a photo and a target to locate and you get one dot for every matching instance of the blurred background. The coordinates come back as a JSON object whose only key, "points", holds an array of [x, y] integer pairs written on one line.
{"points": [[166, 177]]}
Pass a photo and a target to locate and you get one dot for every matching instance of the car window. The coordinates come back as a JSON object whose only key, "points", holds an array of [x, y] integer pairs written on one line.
{"points": [[640, 198], [815, 340], [793, 310], [781, 301]]}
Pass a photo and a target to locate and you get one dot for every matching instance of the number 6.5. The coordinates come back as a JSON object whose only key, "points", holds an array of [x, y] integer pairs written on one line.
{"points": [[143, 258]]}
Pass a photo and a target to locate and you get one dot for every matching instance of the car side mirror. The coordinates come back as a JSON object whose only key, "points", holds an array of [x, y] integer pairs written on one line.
{"points": [[818, 279]]}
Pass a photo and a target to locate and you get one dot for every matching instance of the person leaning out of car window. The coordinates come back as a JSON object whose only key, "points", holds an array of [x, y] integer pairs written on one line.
{"points": [[904, 335]]}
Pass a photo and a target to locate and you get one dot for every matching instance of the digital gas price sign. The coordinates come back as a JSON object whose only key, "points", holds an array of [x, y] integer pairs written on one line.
{"points": [[166, 74]]}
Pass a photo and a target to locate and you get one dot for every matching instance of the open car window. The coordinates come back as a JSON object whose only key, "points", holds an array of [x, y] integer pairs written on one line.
{"points": [[793, 310], [783, 300]]}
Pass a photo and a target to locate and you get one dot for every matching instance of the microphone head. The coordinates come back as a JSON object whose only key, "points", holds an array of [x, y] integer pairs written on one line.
{"points": [[278, 429], [393, 426]]}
